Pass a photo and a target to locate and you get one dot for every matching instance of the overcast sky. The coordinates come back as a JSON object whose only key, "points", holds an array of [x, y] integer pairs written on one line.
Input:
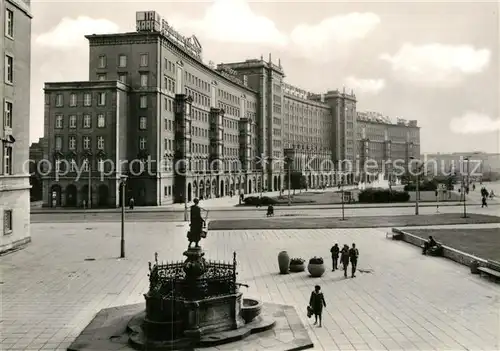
{"points": [[436, 63]]}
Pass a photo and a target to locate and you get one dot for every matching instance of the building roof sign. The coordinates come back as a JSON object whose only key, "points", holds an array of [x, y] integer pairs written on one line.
{"points": [[151, 21]]}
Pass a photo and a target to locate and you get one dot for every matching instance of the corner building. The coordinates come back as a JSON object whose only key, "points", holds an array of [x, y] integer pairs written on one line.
{"points": [[15, 45], [179, 128]]}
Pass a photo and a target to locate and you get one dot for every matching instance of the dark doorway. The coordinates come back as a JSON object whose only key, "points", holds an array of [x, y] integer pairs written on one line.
{"points": [[221, 188], [103, 195], [84, 195], [189, 192], [55, 196], [250, 186], [71, 195]]}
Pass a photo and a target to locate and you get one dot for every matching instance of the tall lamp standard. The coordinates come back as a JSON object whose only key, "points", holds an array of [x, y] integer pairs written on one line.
{"points": [[465, 186], [123, 183], [417, 186], [289, 157], [342, 194]]}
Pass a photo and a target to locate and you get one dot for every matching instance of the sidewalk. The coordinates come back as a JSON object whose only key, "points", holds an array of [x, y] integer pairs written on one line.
{"points": [[231, 204]]}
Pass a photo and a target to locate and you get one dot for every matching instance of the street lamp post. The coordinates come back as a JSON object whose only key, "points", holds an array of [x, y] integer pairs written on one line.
{"points": [[464, 187], [123, 182], [342, 193], [417, 187], [289, 156]]}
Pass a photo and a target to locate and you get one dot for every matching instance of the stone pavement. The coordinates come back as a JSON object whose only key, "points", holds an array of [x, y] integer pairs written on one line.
{"points": [[404, 301]]}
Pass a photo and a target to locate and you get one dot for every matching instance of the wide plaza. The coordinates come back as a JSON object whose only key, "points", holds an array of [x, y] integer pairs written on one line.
{"points": [[403, 301]]}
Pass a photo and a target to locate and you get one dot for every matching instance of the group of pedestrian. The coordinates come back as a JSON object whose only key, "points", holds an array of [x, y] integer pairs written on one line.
{"points": [[345, 255]]}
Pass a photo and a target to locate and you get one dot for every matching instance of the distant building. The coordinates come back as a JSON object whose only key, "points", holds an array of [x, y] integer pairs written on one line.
{"points": [[481, 164], [385, 142], [15, 45]]}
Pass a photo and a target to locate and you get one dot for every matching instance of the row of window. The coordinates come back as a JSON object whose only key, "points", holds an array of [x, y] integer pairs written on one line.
{"points": [[200, 83], [86, 142], [86, 121], [74, 99], [228, 96], [198, 98], [230, 110], [123, 61]]}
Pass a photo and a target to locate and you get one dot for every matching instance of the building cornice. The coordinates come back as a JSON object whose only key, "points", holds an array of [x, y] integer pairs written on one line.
{"points": [[306, 101], [86, 85], [23, 6]]}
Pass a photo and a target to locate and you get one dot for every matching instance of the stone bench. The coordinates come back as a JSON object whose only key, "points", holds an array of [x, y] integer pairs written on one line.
{"points": [[491, 268]]}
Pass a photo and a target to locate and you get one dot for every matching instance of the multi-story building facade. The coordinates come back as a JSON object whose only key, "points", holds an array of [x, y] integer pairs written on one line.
{"points": [[385, 148], [88, 124], [15, 45], [196, 130]]}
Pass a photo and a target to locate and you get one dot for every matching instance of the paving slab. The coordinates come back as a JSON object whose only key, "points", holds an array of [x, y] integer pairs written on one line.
{"points": [[352, 222], [403, 301]]}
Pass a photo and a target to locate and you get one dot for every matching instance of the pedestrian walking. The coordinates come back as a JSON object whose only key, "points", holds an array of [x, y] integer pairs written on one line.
{"points": [[484, 202], [335, 250], [353, 256], [317, 302], [344, 257]]}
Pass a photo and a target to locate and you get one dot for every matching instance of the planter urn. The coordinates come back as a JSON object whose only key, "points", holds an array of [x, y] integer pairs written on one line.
{"points": [[298, 267], [284, 262], [316, 270]]}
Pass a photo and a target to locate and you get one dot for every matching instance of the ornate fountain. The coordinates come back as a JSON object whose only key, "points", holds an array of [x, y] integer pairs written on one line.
{"points": [[194, 302]]}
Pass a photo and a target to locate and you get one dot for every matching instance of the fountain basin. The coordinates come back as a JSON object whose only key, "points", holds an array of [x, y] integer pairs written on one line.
{"points": [[250, 309]]}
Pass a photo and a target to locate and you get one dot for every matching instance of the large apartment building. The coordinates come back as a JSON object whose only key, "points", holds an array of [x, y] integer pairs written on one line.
{"points": [[388, 145], [15, 45], [178, 128]]}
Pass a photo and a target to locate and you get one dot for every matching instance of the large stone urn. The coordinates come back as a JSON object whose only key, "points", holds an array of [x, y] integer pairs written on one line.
{"points": [[284, 262], [316, 267]]}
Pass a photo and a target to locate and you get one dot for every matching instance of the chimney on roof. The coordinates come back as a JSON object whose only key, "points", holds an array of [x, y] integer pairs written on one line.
{"points": [[279, 63], [270, 60]]}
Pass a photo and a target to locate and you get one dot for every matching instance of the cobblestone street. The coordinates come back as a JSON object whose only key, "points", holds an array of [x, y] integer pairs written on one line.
{"points": [[405, 301]]}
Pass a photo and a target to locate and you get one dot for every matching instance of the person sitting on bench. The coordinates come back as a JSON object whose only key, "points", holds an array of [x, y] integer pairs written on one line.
{"points": [[429, 245]]}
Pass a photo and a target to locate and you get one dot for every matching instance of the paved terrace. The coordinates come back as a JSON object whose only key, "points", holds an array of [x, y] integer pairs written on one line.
{"points": [[406, 302]]}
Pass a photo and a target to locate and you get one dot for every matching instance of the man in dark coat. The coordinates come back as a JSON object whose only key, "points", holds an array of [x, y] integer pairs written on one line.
{"points": [[335, 250], [353, 256], [196, 225], [344, 257]]}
